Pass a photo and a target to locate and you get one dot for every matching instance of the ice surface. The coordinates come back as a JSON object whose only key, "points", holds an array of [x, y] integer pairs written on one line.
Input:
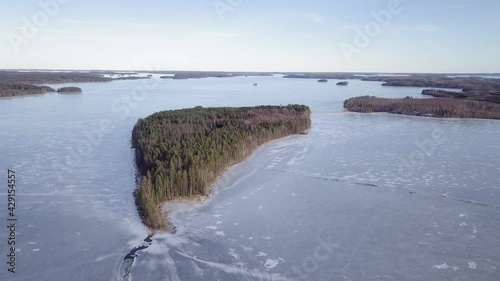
{"points": [[362, 197]]}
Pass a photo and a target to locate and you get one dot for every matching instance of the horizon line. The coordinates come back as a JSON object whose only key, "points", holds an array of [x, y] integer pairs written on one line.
{"points": [[242, 71]]}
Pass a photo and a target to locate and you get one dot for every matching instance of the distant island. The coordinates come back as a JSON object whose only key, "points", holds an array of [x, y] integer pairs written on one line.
{"points": [[23, 83], [474, 87], [323, 80], [435, 107], [470, 95], [182, 153], [19, 89], [213, 74], [132, 78], [343, 83], [18, 83], [66, 90], [321, 75]]}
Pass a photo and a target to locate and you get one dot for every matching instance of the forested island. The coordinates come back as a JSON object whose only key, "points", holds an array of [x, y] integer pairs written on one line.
{"points": [[68, 90], [181, 153], [435, 107], [343, 83]]}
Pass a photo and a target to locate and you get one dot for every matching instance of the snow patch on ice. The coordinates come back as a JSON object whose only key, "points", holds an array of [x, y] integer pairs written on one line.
{"points": [[270, 264], [250, 274], [441, 266], [247, 249], [472, 265], [233, 254]]}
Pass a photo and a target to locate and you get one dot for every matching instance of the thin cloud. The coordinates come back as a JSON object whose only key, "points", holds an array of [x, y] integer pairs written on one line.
{"points": [[315, 17], [462, 6], [108, 23], [218, 34], [401, 28], [418, 28]]}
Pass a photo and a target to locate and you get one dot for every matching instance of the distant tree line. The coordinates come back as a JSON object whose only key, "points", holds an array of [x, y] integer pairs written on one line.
{"points": [[69, 90], [12, 90], [470, 95], [20, 83], [49, 77], [183, 152], [435, 107]]}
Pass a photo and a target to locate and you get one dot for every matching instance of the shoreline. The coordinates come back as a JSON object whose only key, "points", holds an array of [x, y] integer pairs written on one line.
{"points": [[168, 209], [26, 96], [347, 111]]}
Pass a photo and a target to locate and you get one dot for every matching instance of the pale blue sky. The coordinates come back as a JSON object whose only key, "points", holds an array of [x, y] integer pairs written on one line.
{"points": [[252, 35]]}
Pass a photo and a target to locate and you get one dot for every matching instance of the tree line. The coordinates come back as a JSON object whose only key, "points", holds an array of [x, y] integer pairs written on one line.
{"points": [[435, 107]]}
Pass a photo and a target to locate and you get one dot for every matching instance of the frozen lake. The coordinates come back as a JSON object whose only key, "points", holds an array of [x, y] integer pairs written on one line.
{"points": [[362, 197]]}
